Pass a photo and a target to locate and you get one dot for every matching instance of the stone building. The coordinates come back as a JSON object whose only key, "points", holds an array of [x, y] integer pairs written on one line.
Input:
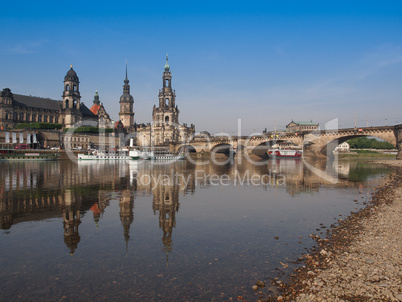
{"points": [[16, 108], [344, 147], [126, 113], [104, 120], [165, 127], [70, 112], [302, 126]]}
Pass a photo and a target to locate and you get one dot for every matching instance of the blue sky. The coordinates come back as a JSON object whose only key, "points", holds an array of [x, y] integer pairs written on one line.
{"points": [[266, 62]]}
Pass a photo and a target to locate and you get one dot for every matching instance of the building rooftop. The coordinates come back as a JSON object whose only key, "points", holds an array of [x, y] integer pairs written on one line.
{"points": [[36, 102]]}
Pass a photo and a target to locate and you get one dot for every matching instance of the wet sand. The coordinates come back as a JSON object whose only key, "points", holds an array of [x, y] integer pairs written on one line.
{"points": [[361, 258]]}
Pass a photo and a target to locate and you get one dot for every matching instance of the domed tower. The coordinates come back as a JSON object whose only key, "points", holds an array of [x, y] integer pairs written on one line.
{"points": [[126, 113], [71, 99], [166, 117]]}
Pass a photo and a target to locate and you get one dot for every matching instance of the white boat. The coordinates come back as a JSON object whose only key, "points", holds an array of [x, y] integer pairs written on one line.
{"points": [[100, 155], [163, 154], [140, 154], [285, 153]]}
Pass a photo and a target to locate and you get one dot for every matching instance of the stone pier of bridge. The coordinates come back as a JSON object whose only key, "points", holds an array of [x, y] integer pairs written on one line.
{"points": [[398, 136]]}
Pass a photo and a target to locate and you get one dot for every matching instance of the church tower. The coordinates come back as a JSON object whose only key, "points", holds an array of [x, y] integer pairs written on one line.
{"points": [[71, 99], [166, 117], [126, 113]]}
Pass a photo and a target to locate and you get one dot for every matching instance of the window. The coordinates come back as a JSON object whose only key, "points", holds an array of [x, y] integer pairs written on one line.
{"points": [[167, 120], [15, 117], [51, 119], [75, 87], [166, 83], [45, 118], [21, 116], [40, 118], [67, 87], [167, 102], [56, 119], [27, 117], [33, 117]]}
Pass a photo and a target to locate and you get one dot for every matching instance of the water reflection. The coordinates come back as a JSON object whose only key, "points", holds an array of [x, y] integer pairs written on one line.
{"points": [[216, 226], [37, 191]]}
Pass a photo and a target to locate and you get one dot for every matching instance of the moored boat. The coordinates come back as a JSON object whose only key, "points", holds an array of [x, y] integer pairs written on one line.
{"points": [[137, 154], [285, 153], [163, 154], [28, 155], [101, 155]]}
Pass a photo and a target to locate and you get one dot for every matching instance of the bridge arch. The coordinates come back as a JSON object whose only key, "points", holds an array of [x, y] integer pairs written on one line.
{"points": [[188, 148], [328, 148], [225, 148]]}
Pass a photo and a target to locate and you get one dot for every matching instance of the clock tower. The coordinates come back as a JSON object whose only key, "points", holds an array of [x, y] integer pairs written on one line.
{"points": [[126, 113]]}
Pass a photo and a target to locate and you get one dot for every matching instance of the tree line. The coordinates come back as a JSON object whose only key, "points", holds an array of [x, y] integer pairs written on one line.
{"points": [[369, 143]]}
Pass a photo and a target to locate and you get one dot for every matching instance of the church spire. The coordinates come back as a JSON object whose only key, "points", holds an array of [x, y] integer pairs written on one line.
{"points": [[167, 67], [126, 86], [126, 70]]}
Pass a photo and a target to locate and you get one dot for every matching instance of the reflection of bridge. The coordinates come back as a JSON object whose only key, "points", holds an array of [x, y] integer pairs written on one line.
{"points": [[314, 143]]}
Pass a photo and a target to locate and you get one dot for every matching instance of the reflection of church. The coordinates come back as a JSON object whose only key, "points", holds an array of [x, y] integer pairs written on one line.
{"points": [[126, 213], [71, 220], [22, 197], [166, 202]]}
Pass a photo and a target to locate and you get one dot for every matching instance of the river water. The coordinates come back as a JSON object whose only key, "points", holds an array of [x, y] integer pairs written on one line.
{"points": [[179, 231]]}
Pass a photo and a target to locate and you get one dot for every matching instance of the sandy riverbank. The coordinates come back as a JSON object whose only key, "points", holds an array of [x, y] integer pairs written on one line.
{"points": [[361, 260]]}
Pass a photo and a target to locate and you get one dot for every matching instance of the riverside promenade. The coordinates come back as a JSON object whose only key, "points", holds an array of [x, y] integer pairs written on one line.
{"points": [[361, 259]]}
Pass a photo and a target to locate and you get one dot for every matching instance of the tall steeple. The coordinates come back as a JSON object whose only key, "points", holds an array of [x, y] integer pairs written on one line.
{"points": [[126, 113], [126, 86]]}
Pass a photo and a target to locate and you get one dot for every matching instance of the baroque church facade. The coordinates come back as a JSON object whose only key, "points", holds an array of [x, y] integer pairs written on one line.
{"points": [[165, 127], [71, 112]]}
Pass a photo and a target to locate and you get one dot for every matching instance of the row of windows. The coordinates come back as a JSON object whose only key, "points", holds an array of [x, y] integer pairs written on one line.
{"points": [[6, 101], [27, 117], [75, 139], [308, 127]]}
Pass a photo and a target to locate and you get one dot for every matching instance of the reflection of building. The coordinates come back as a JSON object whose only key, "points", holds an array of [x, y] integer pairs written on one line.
{"points": [[301, 126], [71, 220], [165, 126], [126, 212], [166, 202]]}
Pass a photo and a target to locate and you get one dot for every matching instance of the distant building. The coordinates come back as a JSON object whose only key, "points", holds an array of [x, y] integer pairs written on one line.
{"points": [[126, 113], [104, 120], [344, 147], [301, 126], [70, 113], [17, 108]]}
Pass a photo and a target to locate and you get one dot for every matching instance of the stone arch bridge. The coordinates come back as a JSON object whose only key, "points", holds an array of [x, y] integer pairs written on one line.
{"points": [[315, 144]]}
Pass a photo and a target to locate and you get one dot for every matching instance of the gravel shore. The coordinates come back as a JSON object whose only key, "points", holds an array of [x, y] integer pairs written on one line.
{"points": [[361, 259]]}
